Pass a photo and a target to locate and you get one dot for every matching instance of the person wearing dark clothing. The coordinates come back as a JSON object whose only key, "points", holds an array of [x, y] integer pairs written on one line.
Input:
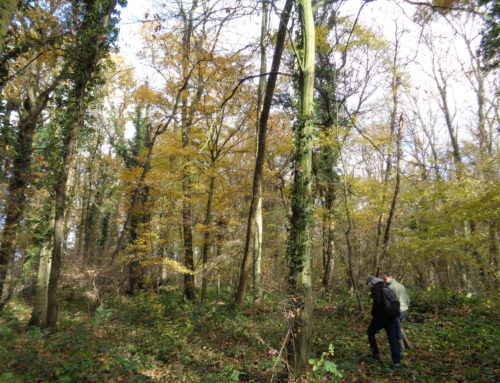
{"points": [[382, 320]]}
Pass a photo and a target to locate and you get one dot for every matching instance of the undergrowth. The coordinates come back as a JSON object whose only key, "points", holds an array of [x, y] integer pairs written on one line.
{"points": [[158, 338]]}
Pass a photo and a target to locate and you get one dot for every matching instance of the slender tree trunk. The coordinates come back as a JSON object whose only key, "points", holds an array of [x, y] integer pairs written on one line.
{"points": [[246, 264], [60, 207], [206, 238], [140, 217], [257, 250], [347, 232], [92, 50], [218, 251], [329, 257], [493, 252], [186, 121], [449, 125], [395, 196], [134, 200], [442, 86], [165, 253], [328, 236], [299, 239], [485, 145], [395, 87], [187, 232]]}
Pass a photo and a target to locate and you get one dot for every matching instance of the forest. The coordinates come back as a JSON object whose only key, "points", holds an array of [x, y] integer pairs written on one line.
{"points": [[197, 190]]}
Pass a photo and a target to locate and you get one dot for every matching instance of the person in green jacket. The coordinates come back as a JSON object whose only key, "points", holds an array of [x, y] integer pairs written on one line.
{"points": [[404, 303]]}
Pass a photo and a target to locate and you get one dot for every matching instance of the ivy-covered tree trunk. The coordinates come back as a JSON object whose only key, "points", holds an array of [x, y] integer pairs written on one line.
{"points": [[18, 182], [246, 265], [301, 201], [93, 42]]}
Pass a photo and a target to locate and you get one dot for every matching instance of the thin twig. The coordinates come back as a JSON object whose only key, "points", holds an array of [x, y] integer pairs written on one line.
{"points": [[279, 354]]}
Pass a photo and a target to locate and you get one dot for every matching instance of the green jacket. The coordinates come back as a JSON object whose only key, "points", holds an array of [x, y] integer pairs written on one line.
{"points": [[401, 293]]}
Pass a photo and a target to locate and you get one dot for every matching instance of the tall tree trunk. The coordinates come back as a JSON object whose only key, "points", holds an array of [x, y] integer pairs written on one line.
{"points": [[395, 88], [395, 196], [96, 22], [18, 183], [449, 125], [246, 264], [328, 197], [441, 82], [186, 121], [206, 238], [187, 230], [299, 240], [257, 250], [493, 251], [218, 251], [347, 234], [329, 256], [140, 217]]}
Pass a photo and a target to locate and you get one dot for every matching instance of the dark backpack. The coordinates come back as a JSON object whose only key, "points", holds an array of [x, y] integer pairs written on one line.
{"points": [[391, 302]]}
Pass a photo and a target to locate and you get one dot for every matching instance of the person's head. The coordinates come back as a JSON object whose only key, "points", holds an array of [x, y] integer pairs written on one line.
{"points": [[372, 281], [388, 277]]}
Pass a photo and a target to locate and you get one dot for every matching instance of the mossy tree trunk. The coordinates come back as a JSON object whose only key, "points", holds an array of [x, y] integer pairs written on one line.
{"points": [[302, 204], [19, 181], [93, 42]]}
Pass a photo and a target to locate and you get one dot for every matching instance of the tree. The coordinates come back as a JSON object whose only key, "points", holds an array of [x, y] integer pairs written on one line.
{"points": [[97, 31], [246, 264], [40, 76], [298, 249]]}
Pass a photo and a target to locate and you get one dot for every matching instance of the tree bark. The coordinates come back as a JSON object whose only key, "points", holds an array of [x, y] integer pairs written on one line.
{"points": [[395, 87], [206, 238], [257, 250], [39, 313], [18, 182], [300, 282], [92, 50], [395, 196], [246, 264], [140, 217]]}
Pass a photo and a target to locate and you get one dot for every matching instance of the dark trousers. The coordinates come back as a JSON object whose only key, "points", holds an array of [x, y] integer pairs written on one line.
{"points": [[399, 319], [391, 328]]}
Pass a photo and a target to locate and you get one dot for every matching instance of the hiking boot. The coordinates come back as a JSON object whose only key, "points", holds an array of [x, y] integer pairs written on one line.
{"points": [[396, 366], [375, 356]]}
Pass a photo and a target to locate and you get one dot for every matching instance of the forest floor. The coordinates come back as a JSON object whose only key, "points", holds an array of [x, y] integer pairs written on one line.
{"points": [[154, 338]]}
